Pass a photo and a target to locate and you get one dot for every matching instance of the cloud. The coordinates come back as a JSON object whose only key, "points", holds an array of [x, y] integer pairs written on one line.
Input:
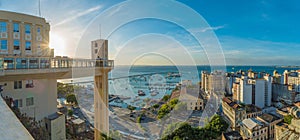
{"points": [[80, 14], [207, 29], [246, 51]]}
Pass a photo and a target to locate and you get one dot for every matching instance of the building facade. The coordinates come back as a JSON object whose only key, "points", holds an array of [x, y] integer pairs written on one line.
{"points": [[253, 129], [29, 71]]}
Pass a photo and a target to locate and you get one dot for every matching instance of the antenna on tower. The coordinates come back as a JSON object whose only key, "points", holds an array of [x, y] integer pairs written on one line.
{"points": [[40, 8], [100, 31]]}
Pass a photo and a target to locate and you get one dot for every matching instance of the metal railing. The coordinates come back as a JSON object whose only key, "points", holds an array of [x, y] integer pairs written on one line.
{"points": [[21, 63]]}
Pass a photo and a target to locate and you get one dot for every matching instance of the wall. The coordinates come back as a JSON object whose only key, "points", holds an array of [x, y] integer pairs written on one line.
{"points": [[44, 93]]}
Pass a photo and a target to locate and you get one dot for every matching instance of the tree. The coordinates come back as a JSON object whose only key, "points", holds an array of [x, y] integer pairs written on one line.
{"points": [[166, 98], [155, 106], [71, 98], [70, 112], [288, 119], [164, 110], [131, 108], [212, 130]]}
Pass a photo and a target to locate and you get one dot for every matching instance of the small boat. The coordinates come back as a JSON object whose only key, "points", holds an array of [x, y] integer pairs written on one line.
{"points": [[141, 93], [154, 93]]}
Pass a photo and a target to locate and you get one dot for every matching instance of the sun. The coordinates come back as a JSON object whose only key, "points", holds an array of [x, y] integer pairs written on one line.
{"points": [[57, 42]]}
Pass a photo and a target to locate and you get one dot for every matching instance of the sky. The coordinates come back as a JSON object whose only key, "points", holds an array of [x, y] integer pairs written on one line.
{"points": [[184, 32]]}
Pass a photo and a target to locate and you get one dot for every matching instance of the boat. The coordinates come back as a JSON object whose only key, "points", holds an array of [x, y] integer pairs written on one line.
{"points": [[141, 93], [154, 93], [135, 100]]}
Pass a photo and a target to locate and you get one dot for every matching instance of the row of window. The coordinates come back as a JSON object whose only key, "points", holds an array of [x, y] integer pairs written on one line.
{"points": [[16, 28], [4, 45], [19, 102], [18, 84], [196, 103]]}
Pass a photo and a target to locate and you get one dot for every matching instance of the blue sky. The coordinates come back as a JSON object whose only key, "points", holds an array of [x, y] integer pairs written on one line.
{"points": [[257, 32]]}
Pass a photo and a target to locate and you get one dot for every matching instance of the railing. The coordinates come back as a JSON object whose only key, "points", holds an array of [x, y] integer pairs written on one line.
{"points": [[21, 63]]}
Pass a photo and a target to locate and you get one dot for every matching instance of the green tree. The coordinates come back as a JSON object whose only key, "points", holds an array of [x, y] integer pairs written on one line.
{"points": [[155, 106], [288, 119], [131, 108], [212, 130], [70, 112], [71, 98], [164, 110], [166, 98]]}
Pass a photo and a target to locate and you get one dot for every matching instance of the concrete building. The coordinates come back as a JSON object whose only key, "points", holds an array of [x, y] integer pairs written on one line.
{"points": [[10, 125], [232, 135], [253, 91], [236, 113], [55, 125], [268, 90], [77, 126], [254, 129], [193, 98], [246, 93], [271, 121], [213, 82], [284, 131], [30, 71]]}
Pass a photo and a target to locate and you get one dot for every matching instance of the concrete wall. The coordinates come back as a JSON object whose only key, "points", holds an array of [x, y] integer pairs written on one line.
{"points": [[44, 94], [246, 92], [260, 93], [36, 39], [58, 131]]}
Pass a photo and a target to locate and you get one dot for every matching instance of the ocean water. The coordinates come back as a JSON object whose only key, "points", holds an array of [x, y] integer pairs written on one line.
{"points": [[155, 81], [128, 81]]}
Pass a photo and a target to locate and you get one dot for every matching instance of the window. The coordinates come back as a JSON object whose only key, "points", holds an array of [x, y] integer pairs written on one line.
{"points": [[28, 46], [16, 45], [38, 30], [33, 63], [27, 28], [96, 51], [3, 45], [29, 101], [9, 63], [3, 26], [20, 103], [17, 84], [29, 84], [21, 63], [16, 27], [96, 45]]}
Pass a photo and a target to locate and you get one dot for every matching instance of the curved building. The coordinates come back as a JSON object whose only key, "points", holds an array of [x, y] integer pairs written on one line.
{"points": [[29, 72], [23, 35]]}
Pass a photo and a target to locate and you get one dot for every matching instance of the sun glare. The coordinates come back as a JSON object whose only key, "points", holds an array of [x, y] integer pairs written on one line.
{"points": [[57, 43]]}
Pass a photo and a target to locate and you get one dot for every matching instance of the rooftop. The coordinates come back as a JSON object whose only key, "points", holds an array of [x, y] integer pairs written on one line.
{"points": [[252, 108], [269, 117], [231, 103], [251, 123], [54, 116], [232, 135], [78, 121], [10, 126]]}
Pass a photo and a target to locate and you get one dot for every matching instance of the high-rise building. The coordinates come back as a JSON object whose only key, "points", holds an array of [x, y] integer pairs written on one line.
{"points": [[253, 91], [213, 82], [246, 93]]}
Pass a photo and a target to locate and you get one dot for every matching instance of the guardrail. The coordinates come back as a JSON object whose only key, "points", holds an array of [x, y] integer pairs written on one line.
{"points": [[21, 63]]}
